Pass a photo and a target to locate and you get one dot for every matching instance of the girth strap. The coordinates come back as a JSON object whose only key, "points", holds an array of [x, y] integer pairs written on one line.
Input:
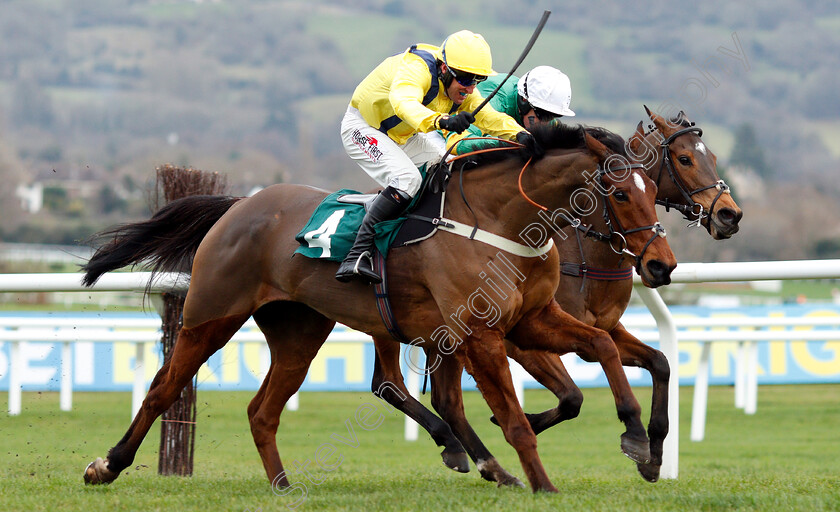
{"points": [[383, 301]]}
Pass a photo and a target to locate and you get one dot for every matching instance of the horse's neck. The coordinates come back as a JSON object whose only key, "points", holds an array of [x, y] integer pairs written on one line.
{"points": [[495, 201]]}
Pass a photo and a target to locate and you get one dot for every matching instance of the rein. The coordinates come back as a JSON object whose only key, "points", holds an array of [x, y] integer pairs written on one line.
{"points": [[617, 239], [693, 208]]}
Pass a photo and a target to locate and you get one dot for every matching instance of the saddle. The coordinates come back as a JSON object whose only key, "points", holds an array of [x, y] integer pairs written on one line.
{"points": [[331, 230]]}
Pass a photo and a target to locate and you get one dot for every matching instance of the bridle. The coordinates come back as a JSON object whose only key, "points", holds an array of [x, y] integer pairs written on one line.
{"points": [[620, 233], [617, 236], [692, 208]]}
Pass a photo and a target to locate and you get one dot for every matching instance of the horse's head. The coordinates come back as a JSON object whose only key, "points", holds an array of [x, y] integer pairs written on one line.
{"points": [[685, 171], [630, 211]]}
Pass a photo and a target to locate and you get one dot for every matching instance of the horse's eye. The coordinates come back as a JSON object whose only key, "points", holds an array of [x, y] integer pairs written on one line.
{"points": [[685, 160], [620, 195]]}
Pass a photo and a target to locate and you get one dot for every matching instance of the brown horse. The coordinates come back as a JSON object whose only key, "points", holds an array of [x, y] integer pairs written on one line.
{"points": [[686, 176], [684, 168], [243, 266]]}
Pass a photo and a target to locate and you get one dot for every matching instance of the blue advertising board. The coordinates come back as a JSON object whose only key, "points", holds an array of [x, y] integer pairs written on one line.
{"points": [[108, 366]]}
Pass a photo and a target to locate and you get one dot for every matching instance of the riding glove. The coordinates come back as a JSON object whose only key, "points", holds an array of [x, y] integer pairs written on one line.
{"points": [[457, 123], [531, 147]]}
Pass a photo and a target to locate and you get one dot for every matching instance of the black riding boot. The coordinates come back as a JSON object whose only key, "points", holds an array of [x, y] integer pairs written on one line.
{"points": [[359, 263]]}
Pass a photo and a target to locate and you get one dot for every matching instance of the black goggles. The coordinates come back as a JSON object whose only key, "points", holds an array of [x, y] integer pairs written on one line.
{"points": [[466, 79]]}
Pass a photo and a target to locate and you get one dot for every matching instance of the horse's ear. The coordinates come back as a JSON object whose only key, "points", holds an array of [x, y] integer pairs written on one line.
{"points": [[682, 118], [594, 145], [637, 137], [640, 129], [664, 127], [649, 113]]}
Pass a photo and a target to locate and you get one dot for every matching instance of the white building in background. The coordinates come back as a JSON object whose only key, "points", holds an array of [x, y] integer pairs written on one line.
{"points": [[31, 197]]}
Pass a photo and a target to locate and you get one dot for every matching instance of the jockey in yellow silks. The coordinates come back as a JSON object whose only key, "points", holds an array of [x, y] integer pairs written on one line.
{"points": [[390, 127]]}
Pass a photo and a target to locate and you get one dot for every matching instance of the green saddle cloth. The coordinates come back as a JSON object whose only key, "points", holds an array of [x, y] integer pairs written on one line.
{"points": [[332, 229]]}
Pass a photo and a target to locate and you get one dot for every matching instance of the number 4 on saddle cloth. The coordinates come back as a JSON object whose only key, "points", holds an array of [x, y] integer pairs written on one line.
{"points": [[331, 230]]}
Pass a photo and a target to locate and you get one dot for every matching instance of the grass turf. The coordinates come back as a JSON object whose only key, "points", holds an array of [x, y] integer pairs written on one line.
{"points": [[785, 457]]}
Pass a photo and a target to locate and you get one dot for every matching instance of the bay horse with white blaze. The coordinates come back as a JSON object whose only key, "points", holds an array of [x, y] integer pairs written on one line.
{"points": [[595, 287], [243, 266]]}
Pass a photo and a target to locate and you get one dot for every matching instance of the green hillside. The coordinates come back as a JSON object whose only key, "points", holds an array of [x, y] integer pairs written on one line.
{"points": [[104, 90]]}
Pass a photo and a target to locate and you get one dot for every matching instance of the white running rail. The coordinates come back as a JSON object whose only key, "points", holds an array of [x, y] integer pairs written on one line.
{"points": [[667, 333]]}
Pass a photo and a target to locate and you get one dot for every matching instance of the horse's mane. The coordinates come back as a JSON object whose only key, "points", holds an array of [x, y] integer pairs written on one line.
{"points": [[613, 141], [548, 136], [558, 136]]}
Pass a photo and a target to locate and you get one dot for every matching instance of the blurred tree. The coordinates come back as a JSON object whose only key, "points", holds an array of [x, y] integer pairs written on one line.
{"points": [[827, 248], [110, 201], [747, 152], [55, 199], [31, 106]]}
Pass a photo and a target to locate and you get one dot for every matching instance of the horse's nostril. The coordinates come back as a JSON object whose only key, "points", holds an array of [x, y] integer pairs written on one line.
{"points": [[728, 216], [656, 268]]}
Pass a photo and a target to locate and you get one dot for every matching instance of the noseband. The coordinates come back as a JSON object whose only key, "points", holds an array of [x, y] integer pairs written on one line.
{"points": [[693, 210]]}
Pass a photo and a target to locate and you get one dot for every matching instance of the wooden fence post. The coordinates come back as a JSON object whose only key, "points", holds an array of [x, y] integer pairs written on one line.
{"points": [[177, 431]]}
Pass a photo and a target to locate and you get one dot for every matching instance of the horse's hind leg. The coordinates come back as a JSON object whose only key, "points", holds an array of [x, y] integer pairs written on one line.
{"points": [[294, 333], [192, 348], [548, 370], [387, 384], [635, 353]]}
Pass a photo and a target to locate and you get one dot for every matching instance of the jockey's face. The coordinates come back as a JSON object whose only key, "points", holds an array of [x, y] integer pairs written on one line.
{"points": [[534, 118], [457, 92]]}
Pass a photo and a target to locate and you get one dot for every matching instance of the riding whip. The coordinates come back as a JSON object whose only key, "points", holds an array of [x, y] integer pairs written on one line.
{"points": [[527, 49]]}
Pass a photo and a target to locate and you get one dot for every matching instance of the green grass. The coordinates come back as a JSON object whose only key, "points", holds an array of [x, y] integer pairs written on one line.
{"points": [[782, 458]]}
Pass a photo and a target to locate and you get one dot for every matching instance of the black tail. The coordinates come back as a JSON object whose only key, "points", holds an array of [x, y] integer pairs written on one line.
{"points": [[167, 241]]}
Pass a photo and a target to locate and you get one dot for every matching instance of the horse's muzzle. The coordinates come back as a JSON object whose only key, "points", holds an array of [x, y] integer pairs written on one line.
{"points": [[656, 273], [724, 223]]}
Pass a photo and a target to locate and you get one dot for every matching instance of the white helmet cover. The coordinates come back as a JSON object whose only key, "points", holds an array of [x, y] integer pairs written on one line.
{"points": [[547, 88]]}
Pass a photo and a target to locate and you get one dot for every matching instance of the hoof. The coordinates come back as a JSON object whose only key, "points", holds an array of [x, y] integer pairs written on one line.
{"points": [[97, 472], [492, 471], [456, 461], [510, 481], [638, 451], [649, 472]]}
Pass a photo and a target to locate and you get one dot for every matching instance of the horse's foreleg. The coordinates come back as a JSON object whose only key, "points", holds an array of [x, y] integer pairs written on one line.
{"points": [[555, 330], [387, 384], [294, 334], [548, 370], [487, 362], [447, 399], [192, 348], [635, 353]]}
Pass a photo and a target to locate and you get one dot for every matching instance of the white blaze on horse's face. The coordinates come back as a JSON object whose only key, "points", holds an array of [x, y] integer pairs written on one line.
{"points": [[637, 179], [700, 147]]}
